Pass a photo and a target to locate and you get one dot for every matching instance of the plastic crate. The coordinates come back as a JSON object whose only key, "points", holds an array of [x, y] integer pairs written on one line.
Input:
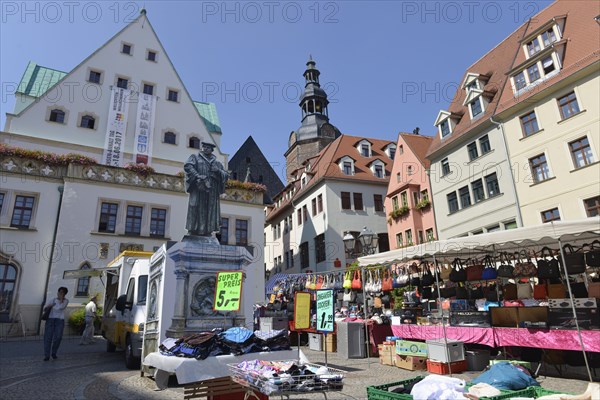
{"points": [[381, 392], [442, 368], [531, 391]]}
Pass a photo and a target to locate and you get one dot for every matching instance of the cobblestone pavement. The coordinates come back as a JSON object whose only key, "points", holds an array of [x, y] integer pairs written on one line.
{"points": [[90, 373]]}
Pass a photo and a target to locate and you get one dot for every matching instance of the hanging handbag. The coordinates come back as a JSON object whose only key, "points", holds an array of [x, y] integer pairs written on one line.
{"points": [[395, 281], [524, 268], [547, 269], [540, 292], [402, 278], [448, 292], [575, 260], [427, 292], [445, 272], [509, 292], [458, 273], [313, 283], [319, 282], [376, 288], [556, 291], [427, 278], [347, 284], [356, 282], [505, 270], [387, 283], [349, 295], [474, 271], [415, 279], [377, 302], [462, 293], [592, 257], [491, 293], [476, 293], [369, 281], [579, 290], [489, 272], [524, 290]]}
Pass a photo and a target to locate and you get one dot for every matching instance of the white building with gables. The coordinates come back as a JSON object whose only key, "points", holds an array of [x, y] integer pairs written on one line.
{"points": [[123, 104]]}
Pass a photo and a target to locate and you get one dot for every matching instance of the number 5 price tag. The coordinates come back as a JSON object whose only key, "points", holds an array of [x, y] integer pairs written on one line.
{"points": [[228, 293]]}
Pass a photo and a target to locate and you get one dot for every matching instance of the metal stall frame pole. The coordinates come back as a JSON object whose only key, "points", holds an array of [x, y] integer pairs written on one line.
{"points": [[367, 337], [437, 283], [564, 263]]}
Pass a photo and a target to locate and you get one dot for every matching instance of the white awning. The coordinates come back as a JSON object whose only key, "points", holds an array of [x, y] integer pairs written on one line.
{"points": [[548, 234]]}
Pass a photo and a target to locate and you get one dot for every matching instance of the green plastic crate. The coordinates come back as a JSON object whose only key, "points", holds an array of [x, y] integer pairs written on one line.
{"points": [[531, 391], [380, 392]]}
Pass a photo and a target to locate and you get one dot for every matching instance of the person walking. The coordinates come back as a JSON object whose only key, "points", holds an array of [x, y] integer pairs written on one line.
{"points": [[55, 323], [90, 316]]}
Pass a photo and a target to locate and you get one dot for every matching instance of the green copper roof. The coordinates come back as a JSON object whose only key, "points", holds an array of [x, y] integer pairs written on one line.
{"points": [[208, 112], [37, 79]]}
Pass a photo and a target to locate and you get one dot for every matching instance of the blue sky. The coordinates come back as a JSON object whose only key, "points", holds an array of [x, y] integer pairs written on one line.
{"points": [[388, 66]]}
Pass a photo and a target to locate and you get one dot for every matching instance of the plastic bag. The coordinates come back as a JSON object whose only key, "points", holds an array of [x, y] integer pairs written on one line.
{"points": [[506, 376]]}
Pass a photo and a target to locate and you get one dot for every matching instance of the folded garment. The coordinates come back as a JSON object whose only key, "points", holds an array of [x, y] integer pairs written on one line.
{"points": [[484, 390]]}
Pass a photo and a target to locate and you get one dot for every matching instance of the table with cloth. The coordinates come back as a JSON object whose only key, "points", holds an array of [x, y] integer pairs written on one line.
{"points": [[497, 337], [190, 370]]}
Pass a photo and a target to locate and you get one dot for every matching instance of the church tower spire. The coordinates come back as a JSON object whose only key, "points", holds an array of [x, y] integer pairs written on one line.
{"points": [[315, 132]]}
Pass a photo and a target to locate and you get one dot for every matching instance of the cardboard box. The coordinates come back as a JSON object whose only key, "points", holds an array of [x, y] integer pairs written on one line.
{"points": [[331, 343], [386, 354], [411, 363], [409, 348], [505, 317]]}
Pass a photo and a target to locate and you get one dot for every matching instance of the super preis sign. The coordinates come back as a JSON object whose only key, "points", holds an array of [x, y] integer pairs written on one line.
{"points": [[228, 293]]}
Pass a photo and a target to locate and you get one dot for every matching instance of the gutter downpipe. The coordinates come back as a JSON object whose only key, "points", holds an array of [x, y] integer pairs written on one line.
{"points": [[512, 175], [60, 189]]}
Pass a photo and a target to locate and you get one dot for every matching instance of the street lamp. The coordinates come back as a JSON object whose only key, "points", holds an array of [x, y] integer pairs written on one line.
{"points": [[368, 240]]}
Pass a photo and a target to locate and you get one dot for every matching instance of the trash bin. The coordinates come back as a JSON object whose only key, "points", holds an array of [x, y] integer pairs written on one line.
{"points": [[477, 360]]}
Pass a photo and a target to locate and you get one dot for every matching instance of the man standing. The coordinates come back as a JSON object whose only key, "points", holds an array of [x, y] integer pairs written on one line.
{"points": [[205, 180], [90, 316]]}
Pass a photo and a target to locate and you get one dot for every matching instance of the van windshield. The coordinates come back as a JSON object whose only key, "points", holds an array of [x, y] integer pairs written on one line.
{"points": [[142, 289]]}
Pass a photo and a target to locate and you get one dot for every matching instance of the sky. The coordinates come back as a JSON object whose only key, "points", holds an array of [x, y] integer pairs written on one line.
{"points": [[387, 66]]}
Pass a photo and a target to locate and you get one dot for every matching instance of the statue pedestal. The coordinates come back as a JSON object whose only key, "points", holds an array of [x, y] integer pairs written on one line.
{"points": [[182, 283]]}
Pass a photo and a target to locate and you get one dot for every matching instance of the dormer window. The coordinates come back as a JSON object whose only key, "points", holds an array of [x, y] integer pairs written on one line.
{"points": [[346, 165], [533, 47], [446, 121], [390, 150], [476, 107], [473, 85], [548, 65], [378, 168], [549, 37], [445, 128], [364, 150], [520, 81]]}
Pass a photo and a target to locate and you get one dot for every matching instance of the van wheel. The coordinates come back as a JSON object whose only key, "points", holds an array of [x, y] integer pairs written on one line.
{"points": [[131, 361], [110, 347]]}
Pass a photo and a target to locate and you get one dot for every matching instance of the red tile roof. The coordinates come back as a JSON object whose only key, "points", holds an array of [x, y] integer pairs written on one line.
{"points": [[419, 145]]}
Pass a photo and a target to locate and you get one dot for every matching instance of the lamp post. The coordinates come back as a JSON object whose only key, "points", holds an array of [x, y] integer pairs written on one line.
{"points": [[369, 243]]}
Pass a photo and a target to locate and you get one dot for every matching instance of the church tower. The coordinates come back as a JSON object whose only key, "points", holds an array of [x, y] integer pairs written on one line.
{"points": [[315, 132]]}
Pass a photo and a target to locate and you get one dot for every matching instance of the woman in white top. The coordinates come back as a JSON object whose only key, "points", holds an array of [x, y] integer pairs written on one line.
{"points": [[55, 323]]}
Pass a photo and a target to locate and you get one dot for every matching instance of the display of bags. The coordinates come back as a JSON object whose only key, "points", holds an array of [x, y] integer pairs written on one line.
{"points": [[319, 282], [349, 295], [376, 287], [524, 290], [575, 261], [505, 270], [524, 267], [557, 291], [579, 290], [489, 272], [445, 272], [475, 271], [402, 278], [448, 292], [356, 282], [476, 293], [491, 293], [458, 273], [462, 293], [547, 269]]}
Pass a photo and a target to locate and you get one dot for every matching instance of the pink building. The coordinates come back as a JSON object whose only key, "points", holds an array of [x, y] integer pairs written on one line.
{"points": [[408, 202]]}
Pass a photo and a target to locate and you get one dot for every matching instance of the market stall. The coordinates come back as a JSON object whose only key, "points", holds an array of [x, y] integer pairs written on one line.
{"points": [[550, 271]]}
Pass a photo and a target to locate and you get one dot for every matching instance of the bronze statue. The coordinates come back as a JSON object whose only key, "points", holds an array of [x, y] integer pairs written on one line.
{"points": [[205, 180]]}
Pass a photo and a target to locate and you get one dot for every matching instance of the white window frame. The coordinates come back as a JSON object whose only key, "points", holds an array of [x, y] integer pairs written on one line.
{"points": [[155, 55], [359, 146], [375, 163], [341, 165], [8, 207]]}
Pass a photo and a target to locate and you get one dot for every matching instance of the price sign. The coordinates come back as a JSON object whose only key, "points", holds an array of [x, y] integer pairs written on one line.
{"points": [[302, 310], [228, 294], [325, 310]]}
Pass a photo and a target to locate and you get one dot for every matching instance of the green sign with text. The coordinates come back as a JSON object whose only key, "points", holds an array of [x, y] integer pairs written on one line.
{"points": [[325, 310]]}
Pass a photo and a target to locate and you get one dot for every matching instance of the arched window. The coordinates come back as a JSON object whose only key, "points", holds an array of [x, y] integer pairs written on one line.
{"points": [[57, 115], [83, 284], [194, 142], [170, 138], [8, 282], [87, 121]]}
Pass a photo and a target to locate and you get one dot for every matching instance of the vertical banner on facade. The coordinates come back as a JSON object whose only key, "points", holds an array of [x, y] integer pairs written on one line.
{"points": [[144, 126], [301, 310], [116, 127], [325, 310]]}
